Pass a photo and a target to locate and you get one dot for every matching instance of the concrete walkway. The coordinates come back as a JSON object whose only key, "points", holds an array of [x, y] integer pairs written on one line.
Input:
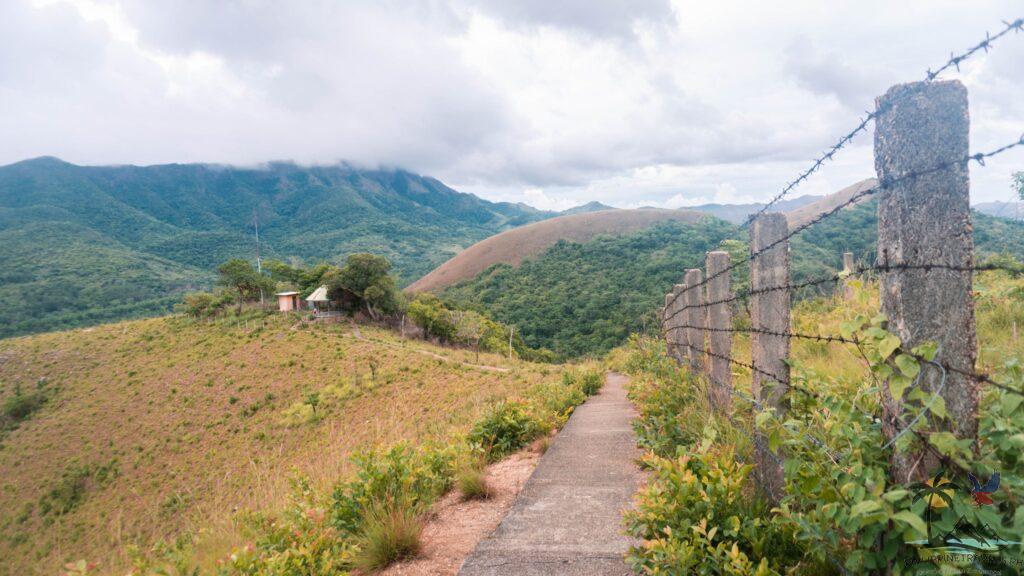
{"points": [[568, 518]]}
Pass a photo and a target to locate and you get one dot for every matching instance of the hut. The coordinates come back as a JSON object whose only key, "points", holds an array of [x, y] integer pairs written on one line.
{"points": [[318, 300], [288, 301]]}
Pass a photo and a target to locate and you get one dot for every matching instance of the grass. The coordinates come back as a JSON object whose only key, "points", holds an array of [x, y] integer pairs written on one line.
{"points": [[391, 532], [471, 480], [205, 421]]}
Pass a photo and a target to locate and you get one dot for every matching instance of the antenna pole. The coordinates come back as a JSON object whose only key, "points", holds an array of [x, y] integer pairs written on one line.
{"points": [[259, 263]]}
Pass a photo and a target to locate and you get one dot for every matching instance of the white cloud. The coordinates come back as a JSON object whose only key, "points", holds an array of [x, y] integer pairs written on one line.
{"points": [[628, 103]]}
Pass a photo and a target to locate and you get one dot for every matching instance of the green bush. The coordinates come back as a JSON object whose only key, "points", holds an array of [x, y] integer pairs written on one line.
{"points": [[504, 429], [20, 406], [399, 473], [695, 517]]}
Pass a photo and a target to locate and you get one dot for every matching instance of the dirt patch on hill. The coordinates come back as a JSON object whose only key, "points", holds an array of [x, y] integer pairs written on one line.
{"points": [[456, 526]]}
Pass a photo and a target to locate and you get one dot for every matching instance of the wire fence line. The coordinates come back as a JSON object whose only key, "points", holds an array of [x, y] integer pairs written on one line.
{"points": [[902, 144], [954, 62]]}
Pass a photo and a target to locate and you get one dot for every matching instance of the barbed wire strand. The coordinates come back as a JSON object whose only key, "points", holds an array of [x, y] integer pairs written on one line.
{"points": [[954, 62]]}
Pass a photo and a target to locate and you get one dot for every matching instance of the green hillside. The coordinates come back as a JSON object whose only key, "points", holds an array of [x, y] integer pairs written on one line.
{"points": [[87, 244], [587, 298]]}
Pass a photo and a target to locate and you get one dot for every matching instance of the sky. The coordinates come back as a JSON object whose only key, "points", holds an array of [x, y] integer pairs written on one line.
{"points": [[630, 103]]}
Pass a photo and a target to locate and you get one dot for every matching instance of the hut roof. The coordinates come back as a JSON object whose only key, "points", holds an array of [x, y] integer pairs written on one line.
{"points": [[318, 295], [286, 294]]}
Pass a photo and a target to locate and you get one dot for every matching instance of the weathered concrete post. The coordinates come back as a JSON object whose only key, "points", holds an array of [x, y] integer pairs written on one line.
{"points": [[678, 319], [695, 315], [926, 220], [848, 266], [719, 338], [664, 324], [769, 352]]}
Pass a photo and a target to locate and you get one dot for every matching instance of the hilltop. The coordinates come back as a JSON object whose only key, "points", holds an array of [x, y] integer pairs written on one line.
{"points": [[513, 246], [169, 429], [86, 244]]}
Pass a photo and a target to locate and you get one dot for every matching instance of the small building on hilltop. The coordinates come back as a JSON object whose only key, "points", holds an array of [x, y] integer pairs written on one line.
{"points": [[318, 300], [288, 301]]}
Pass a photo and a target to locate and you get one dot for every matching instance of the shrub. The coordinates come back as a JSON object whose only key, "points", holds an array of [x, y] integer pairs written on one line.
{"points": [[20, 406], [391, 532], [695, 517], [504, 429], [399, 473]]}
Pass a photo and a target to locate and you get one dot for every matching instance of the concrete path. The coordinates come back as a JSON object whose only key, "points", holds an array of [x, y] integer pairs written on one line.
{"points": [[568, 518]]}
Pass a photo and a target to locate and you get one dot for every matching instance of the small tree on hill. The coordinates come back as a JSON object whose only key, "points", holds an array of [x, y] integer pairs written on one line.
{"points": [[239, 275], [430, 314], [365, 279], [1018, 184]]}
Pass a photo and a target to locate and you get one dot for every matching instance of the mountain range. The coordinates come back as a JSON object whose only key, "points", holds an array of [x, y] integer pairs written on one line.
{"points": [[85, 244]]}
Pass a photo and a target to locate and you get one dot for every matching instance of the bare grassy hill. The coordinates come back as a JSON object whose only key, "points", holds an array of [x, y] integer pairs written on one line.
{"points": [[512, 246], [157, 429]]}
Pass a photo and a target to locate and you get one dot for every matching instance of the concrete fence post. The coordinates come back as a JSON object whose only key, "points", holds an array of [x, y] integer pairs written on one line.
{"points": [[848, 266], [664, 324], [677, 320], [926, 220], [719, 338], [695, 315], [770, 312]]}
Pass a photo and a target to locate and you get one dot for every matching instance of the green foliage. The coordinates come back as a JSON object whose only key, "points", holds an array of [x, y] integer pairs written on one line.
{"points": [[698, 513], [95, 244], [430, 314], [245, 281], [587, 298], [20, 405], [696, 517], [364, 283], [1017, 184], [507, 427], [578, 299], [398, 473]]}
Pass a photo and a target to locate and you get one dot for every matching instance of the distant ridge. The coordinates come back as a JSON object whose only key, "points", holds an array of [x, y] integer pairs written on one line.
{"points": [[1011, 210], [514, 245], [594, 206]]}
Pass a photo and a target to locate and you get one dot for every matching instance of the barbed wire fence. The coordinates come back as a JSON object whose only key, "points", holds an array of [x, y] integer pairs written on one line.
{"points": [[925, 268]]}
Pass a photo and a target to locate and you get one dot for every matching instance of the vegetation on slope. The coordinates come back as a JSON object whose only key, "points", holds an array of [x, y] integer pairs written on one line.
{"points": [[147, 435], [700, 512], [65, 228], [587, 298]]}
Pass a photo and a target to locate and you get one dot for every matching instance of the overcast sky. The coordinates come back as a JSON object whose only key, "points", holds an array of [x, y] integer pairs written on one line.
{"points": [[631, 103]]}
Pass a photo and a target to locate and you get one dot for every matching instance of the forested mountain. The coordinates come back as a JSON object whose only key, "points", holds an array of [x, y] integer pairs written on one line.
{"points": [[86, 244], [584, 298]]}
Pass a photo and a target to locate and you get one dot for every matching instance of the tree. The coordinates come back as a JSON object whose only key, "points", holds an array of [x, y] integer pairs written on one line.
{"points": [[470, 328], [1018, 184], [430, 314], [239, 275], [366, 280]]}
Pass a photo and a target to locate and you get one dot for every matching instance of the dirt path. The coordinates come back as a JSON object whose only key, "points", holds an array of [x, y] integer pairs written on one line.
{"points": [[567, 519]]}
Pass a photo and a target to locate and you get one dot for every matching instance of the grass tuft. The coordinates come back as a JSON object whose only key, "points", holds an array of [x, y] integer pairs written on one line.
{"points": [[390, 532], [471, 480]]}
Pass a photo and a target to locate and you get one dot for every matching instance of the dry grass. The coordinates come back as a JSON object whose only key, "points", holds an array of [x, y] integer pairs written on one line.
{"points": [[202, 420]]}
